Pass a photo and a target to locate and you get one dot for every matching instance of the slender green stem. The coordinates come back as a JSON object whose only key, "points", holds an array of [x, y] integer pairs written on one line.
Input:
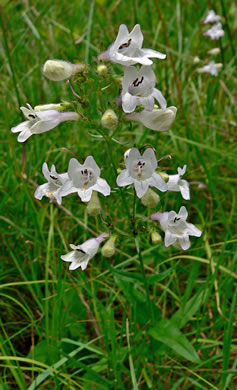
{"points": [[144, 278], [109, 147], [134, 211], [50, 235]]}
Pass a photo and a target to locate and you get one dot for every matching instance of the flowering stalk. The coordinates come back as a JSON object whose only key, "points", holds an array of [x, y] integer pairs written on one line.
{"points": [[149, 303]]}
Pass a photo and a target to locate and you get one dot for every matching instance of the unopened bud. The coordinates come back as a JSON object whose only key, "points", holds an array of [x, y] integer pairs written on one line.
{"points": [[150, 199], [94, 207], [164, 176], [102, 69], [196, 60], [108, 249], [155, 237], [59, 107], [214, 51], [109, 119], [58, 70]]}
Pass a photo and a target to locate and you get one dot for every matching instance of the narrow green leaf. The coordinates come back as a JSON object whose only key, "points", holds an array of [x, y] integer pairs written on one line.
{"points": [[167, 333], [186, 312]]}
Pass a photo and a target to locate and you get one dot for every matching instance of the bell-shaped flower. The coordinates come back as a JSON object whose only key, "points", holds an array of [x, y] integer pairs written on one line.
{"points": [[40, 121], [127, 49], [211, 68], [176, 184], [81, 254], [215, 32], [140, 171], [176, 228], [212, 17], [54, 182], [138, 89], [83, 179], [157, 119]]}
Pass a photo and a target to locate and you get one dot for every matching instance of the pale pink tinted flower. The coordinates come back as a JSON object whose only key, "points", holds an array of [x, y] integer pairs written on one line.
{"points": [[176, 228], [138, 89], [157, 119], [83, 179], [54, 182], [81, 254], [40, 121], [127, 49], [215, 32], [211, 17], [140, 171], [176, 184]]}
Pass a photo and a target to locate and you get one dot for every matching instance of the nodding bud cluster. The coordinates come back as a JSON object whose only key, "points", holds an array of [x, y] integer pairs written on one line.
{"points": [[109, 119], [58, 70]]}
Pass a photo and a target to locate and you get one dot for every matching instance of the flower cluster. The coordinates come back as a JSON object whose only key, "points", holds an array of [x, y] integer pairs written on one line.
{"points": [[138, 99], [215, 33], [138, 85]]}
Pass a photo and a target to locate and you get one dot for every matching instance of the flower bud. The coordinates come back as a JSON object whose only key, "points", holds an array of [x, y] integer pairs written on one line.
{"points": [[109, 119], [155, 237], [164, 176], [108, 249], [59, 107], [102, 69], [214, 51], [94, 207], [150, 199], [58, 70], [196, 60]]}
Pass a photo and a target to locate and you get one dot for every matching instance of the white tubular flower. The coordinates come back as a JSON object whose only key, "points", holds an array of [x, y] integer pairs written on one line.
{"points": [[138, 88], [40, 121], [83, 179], [81, 254], [215, 32], [176, 184], [157, 119], [54, 182], [58, 70], [140, 171], [176, 228], [211, 68], [212, 17], [127, 49]]}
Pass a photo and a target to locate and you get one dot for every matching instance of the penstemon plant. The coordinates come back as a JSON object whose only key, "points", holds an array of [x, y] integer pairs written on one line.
{"points": [[139, 101]]}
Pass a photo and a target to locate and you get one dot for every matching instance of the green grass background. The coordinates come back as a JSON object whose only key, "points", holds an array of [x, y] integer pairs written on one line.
{"points": [[95, 329]]}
